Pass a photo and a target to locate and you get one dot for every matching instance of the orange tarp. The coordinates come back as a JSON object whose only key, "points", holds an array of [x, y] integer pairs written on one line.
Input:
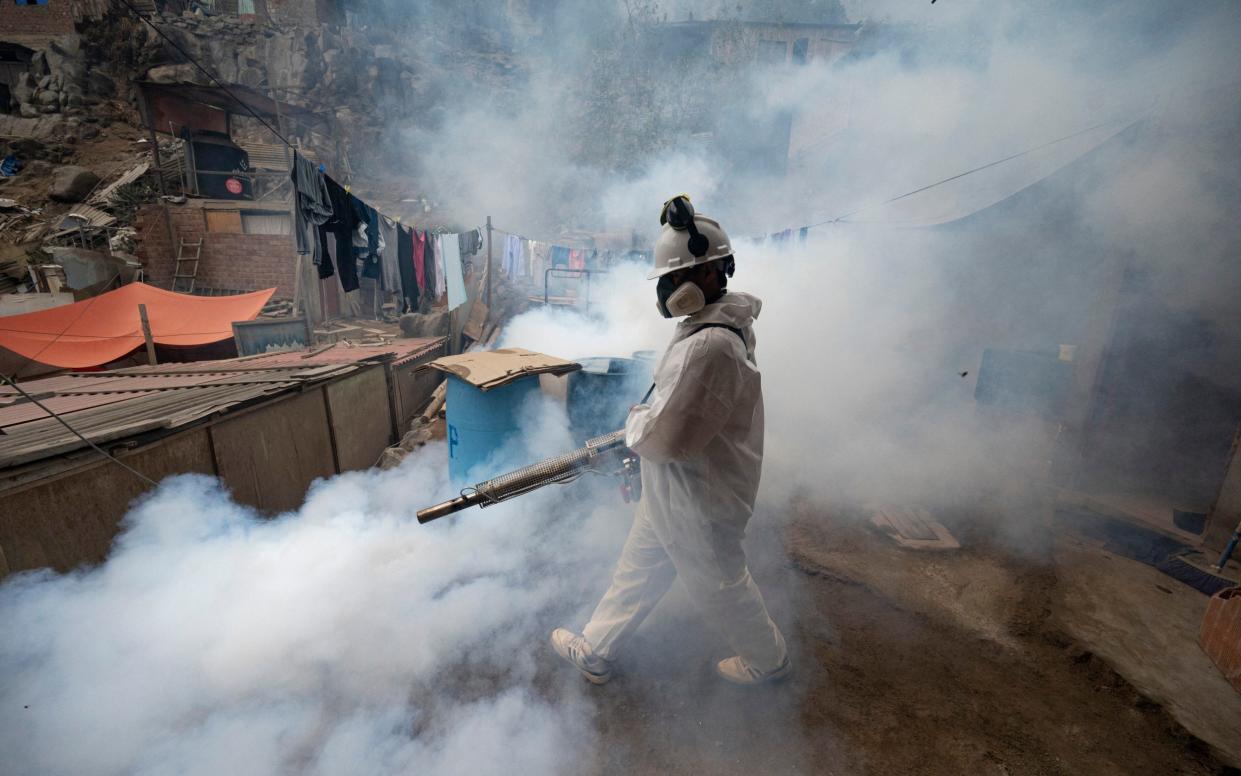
{"points": [[102, 329]]}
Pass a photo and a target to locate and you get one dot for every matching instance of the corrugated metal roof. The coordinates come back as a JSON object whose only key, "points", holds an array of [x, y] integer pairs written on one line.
{"points": [[106, 406]]}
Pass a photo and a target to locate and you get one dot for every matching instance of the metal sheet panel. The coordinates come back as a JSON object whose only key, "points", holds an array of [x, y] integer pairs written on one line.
{"points": [[270, 456], [45, 524], [361, 418]]}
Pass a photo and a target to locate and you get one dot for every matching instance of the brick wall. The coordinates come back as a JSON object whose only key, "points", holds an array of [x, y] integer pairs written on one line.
{"points": [[54, 18], [306, 12], [237, 262]]}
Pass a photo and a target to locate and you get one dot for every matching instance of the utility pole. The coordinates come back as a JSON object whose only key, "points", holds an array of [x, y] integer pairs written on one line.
{"points": [[146, 334], [488, 296]]}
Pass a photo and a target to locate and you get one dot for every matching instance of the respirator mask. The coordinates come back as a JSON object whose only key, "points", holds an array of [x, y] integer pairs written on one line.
{"points": [[677, 299]]}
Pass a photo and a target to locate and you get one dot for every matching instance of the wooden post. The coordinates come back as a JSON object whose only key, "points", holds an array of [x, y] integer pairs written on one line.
{"points": [[488, 296], [146, 334]]}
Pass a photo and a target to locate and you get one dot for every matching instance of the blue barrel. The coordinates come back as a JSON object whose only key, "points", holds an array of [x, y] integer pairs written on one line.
{"points": [[481, 422], [601, 393], [647, 360]]}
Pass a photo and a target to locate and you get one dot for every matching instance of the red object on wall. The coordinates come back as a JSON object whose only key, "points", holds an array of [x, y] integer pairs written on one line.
{"points": [[1220, 636], [102, 329]]}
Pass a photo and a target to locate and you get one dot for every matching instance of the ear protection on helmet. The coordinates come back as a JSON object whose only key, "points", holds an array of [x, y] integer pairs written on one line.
{"points": [[678, 213]]}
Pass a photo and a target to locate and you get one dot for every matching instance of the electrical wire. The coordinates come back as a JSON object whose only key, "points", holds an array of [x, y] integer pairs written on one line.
{"points": [[76, 433], [31, 359], [960, 175], [204, 70]]}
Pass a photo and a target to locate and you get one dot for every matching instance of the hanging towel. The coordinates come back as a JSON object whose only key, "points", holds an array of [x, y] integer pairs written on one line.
{"points": [[453, 275], [420, 267]]}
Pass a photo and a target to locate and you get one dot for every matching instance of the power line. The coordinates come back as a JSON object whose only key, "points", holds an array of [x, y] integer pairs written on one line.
{"points": [[204, 70], [959, 175], [75, 432], [31, 359]]}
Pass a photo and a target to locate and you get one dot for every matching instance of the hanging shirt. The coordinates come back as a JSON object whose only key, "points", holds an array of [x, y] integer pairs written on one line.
{"points": [[341, 227], [313, 207], [559, 256], [389, 255], [470, 242], [512, 255], [577, 259], [366, 237]]}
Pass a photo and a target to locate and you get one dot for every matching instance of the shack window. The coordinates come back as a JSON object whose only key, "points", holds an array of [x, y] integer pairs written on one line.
{"points": [[266, 223], [773, 52], [224, 221], [801, 50]]}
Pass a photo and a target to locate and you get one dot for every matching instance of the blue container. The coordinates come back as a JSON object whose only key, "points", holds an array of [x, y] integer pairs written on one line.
{"points": [[601, 393], [647, 361], [482, 422]]}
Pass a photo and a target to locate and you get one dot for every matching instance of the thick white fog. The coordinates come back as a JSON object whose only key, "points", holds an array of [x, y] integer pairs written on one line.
{"points": [[344, 637]]}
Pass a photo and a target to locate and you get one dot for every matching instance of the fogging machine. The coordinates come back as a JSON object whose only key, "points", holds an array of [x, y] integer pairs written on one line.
{"points": [[602, 455]]}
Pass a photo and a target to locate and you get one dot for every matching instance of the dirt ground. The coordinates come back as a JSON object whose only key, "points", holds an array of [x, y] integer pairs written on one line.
{"points": [[906, 663]]}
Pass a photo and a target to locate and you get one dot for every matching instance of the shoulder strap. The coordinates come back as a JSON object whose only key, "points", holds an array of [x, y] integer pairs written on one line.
{"points": [[733, 329], [740, 335]]}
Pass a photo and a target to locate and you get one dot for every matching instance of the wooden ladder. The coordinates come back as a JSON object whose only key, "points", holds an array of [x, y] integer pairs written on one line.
{"points": [[183, 281]]}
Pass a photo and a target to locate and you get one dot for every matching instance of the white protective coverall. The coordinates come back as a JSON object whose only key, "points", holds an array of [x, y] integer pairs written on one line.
{"points": [[701, 444]]}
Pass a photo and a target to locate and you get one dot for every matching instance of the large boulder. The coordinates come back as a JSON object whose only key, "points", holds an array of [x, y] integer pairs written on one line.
{"points": [[72, 184]]}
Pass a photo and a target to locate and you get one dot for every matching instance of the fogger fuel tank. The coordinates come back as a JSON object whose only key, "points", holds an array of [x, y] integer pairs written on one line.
{"points": [[481, 422]]}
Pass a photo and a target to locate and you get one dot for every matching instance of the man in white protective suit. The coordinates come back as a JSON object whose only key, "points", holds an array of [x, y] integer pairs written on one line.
{"points": [[700, 439]]}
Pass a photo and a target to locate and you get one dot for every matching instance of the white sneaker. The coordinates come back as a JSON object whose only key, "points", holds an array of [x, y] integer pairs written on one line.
{"points": [[577, 650], [735, 670]]}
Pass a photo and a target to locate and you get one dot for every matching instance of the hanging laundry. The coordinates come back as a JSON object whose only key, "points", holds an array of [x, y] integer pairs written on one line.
{"points": [[420, 267], [341, 226], [801, 235], [540, 260], [453, 276], [389, 254], [405, 268], [511, 260], [366, 237], [577, 259], [559, 256], [313, 207], [470, 242], [428, 268], [441, 278]]}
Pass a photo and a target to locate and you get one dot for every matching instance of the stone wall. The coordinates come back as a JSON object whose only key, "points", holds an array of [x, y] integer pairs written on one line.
{"points": [[233, 262]]}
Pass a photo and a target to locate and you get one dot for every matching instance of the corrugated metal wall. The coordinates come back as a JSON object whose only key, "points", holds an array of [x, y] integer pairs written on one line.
{"points": [[266, 455]]}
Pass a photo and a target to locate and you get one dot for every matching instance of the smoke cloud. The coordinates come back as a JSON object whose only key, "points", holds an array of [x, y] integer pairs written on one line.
{"points": [[345, 637]]}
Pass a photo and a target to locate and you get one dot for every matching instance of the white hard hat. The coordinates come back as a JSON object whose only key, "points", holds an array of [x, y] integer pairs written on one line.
{"points": [[673, 249]]}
